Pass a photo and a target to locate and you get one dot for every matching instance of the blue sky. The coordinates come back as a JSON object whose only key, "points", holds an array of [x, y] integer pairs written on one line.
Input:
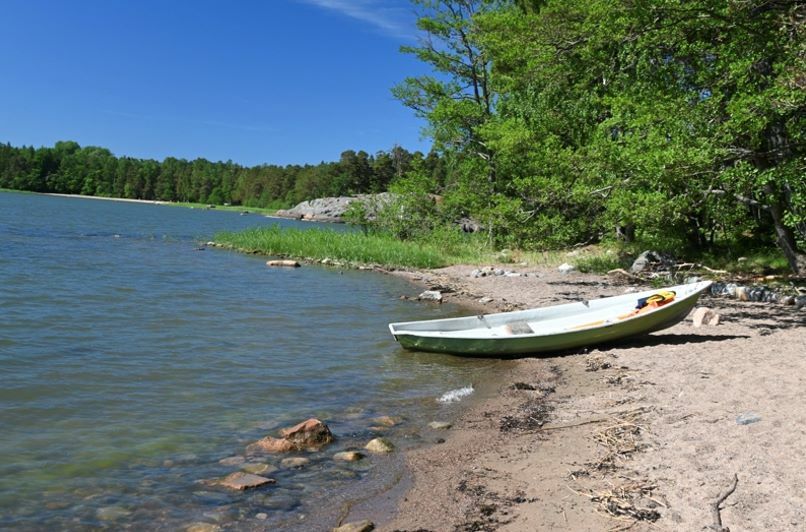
{"points": [[273, 81]]}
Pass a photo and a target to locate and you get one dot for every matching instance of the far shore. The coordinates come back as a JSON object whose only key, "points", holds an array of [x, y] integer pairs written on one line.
{"points": [[646, 435], [236, 208]]}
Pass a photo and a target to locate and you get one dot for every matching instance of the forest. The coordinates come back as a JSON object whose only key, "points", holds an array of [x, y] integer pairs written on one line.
{"points": [[676, 124], [68, 168]]}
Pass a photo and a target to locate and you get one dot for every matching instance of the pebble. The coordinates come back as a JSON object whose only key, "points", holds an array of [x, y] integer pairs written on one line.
{"points": [[566, 268], [380, 445], [294, 462], [440, 425], [431, 295], [747, 418], [348, 456], [262, 516], [386, 421], [243, 481], [486, 300]]}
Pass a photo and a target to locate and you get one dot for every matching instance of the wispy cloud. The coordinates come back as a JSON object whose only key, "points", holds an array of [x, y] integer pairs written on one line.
{"points": [[390, 18]]}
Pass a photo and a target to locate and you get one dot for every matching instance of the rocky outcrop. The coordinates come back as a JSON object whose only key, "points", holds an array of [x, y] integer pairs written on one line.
{"points": [[333, 209]]}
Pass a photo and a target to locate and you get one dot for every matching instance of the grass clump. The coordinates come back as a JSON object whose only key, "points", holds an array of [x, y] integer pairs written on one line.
{"points": [[352, 247]]}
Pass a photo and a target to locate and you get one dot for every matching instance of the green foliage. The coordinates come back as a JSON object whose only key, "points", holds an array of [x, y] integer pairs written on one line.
{"points": [[351, 247], [676, 124]]}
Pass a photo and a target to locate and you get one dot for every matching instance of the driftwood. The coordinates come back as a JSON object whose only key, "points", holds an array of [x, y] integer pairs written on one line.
{"points": [[717, 526]]}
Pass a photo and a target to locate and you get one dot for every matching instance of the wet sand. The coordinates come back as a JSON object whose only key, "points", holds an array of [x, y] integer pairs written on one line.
{"points": [[646, 434]]}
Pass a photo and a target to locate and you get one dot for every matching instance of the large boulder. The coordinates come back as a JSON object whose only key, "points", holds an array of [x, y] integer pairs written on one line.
{"points": [[650, 261], [332, 209], [311, 434]]}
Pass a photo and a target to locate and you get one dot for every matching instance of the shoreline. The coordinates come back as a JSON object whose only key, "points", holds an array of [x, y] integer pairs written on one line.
{"points": [[643, 433]]}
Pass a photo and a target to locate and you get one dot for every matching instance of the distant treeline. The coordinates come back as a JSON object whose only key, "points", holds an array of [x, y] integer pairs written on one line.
{"points": [[68, 168]]}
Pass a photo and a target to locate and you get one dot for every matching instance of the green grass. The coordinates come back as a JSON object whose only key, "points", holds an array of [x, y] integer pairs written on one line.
{"points": [[351, 247]]}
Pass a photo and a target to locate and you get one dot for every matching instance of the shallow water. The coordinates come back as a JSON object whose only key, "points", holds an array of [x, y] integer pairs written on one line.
{"points": [[132, 361]]}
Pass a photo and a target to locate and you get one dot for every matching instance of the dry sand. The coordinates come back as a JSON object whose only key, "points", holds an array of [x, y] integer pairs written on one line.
{"points": [[640, 435]]}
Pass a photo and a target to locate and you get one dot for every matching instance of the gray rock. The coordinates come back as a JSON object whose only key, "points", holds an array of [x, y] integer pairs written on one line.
{"points": [[333, 209], [651, 260], [747, 418], [800, 302], [566, 268], [431, 295]]}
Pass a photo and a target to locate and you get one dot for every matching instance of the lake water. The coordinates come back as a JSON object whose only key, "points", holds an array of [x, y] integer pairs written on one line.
{"points": [[132, 361]]}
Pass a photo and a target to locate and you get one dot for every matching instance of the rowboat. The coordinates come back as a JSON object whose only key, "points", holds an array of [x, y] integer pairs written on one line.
{"points": [[553, 328]]}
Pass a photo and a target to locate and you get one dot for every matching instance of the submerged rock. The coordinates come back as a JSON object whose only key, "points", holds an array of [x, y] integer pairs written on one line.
{"points": [[380, 446], [440, 425], [258, 468], [232, 460], [202, 527], [243, 481], [294, 462], [311, 434], [386, 421], [112, 513], [348, 456]]}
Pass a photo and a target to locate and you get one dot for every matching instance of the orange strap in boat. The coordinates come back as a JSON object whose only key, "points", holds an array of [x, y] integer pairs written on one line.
{"points": [[645, 304]]}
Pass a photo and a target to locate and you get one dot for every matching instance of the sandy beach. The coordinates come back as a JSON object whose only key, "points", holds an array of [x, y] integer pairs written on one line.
{"points": [[645, 435]]}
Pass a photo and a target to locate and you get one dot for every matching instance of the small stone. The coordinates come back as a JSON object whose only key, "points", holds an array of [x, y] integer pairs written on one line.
{"points": [[431, 295], [787, 300], [380, 445], [566, 268], [748, 418], [512, 274], [498, 272], [348, 456], [358, 526], [440, 425], [705, 316], [262, 516], [294, 462], [258, 468], [232, 460], [485, 300], [386, 421], [741, 293], [800, 302], [243, 481]]}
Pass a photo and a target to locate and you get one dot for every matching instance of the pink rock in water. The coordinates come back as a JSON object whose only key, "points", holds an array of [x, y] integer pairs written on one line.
{"points": [[272, 445], [308, 434]]}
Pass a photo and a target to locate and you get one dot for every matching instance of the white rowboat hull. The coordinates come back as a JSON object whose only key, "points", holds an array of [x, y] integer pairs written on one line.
{"points": [[547, 329]]}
